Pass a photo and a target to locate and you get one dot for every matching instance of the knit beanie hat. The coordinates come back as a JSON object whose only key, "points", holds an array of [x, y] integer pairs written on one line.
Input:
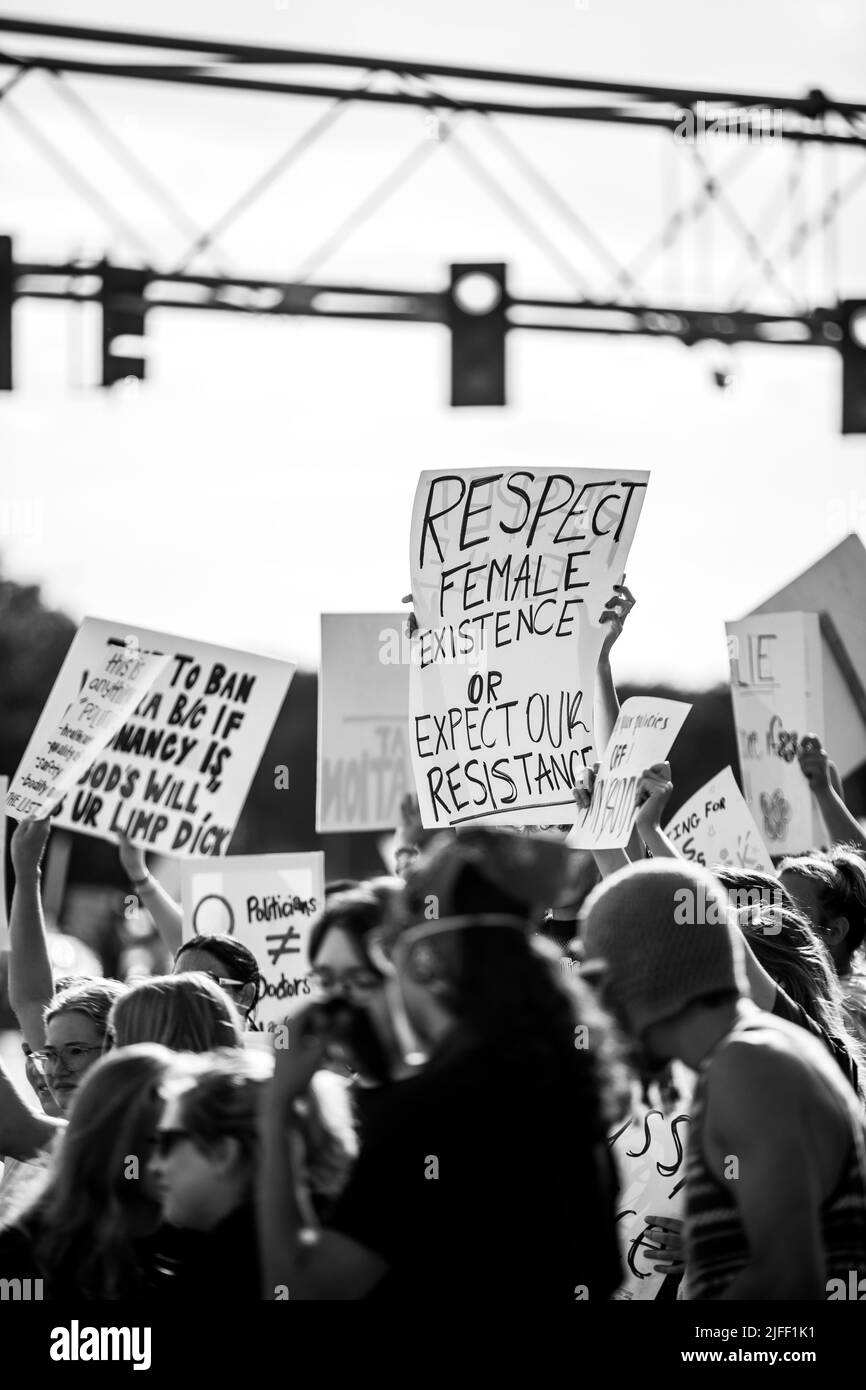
{"points": [[665, 936]]}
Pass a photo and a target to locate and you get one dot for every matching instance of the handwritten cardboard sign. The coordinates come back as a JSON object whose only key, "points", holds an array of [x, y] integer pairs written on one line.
{"points": [[511, 569], [776, 689], [364, 767], [649, 1151], [835, 585], [268, 902], [68, 750], [644, 733], [175, 776], [715, 826]]}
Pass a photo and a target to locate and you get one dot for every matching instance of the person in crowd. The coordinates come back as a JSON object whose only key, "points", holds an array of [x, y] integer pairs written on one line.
{"points": [[203, 1166], [807, 991], [229, 963], [186, 1013], [76, 1023], [463, 1190], [21, 1176], [75, 1028], [768, 1098], [369, 1043], [830, 888], [91, 1231], [780, 947]]}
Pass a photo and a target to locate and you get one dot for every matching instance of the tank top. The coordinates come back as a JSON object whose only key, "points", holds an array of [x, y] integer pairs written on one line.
{"points": [[716, 1246]]}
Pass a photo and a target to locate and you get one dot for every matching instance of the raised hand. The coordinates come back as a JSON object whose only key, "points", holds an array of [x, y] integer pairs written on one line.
{"points": [[653, 793], [815, 764], [616, 610], [133, 860], [411, 621], [28, 845]]}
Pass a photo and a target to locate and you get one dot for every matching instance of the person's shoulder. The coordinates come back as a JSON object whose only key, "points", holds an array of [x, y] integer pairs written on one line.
{"points": [[770, 1060]]}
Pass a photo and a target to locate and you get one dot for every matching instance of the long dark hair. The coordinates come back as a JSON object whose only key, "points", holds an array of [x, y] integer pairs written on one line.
{"points": [[83, 1239], [506, 988]]}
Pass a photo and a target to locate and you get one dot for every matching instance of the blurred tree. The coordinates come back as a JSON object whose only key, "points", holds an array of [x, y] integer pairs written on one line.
{"points": [[33, 642]]}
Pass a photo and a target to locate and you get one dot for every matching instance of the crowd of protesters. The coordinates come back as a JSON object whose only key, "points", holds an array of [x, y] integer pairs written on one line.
{"points": [[433, 1122]]}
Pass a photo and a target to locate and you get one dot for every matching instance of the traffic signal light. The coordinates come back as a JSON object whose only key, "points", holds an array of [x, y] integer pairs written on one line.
{"points": [[123, 312], [853, 350], [477, 316]]}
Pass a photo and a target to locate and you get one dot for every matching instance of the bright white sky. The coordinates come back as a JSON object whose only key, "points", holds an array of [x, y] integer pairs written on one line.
{"points": [[266, 471]]}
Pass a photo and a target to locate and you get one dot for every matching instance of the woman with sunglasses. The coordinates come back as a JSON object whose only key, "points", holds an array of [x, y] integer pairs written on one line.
{"points": [[204, 1161], [230, 964]]}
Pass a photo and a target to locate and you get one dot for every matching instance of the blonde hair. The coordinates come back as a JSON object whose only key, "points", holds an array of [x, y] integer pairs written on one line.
{"points": [[186, 1013]]}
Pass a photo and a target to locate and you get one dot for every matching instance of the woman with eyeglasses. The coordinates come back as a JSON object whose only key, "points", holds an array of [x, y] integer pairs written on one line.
{"points": [[92, 1231], [75, 1028], [343, 955]]}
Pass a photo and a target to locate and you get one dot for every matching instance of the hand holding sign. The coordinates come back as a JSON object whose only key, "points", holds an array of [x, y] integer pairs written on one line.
{"points": [[666, 1233], [653, 794], [644, 734], [616, 610], [815, 764]]}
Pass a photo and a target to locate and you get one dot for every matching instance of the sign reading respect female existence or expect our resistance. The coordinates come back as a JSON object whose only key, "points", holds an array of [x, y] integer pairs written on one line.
{"points": [[511, 570]]}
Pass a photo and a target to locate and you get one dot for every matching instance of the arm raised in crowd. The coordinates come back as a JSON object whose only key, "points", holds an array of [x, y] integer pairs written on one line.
{"points": [[616, 610], [167, 915], [823, 778], [308, 1265], [653, 794], [31, 981]]}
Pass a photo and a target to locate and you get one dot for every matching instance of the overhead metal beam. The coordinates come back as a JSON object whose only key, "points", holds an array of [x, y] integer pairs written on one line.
{"points": [[81, 282], [813, 104]]}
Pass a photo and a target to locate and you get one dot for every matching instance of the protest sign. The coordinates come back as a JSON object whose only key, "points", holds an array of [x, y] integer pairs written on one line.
{"points": [[776, 690], [644, 733], [175, 776], [364, 768], [649, 1152], [835, 586], [715, 826], [268, 902], [4, 923], [67, 749], [511, 571]]}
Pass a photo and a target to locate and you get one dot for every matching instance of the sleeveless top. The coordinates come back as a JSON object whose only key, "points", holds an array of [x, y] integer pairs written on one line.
{"points": [[716, 1246]]}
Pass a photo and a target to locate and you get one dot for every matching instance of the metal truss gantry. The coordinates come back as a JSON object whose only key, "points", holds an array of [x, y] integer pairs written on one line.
{"points": [[608, 293]]}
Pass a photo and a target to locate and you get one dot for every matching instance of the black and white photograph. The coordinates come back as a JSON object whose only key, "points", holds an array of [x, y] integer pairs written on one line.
{"points": [[432, 680]]}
